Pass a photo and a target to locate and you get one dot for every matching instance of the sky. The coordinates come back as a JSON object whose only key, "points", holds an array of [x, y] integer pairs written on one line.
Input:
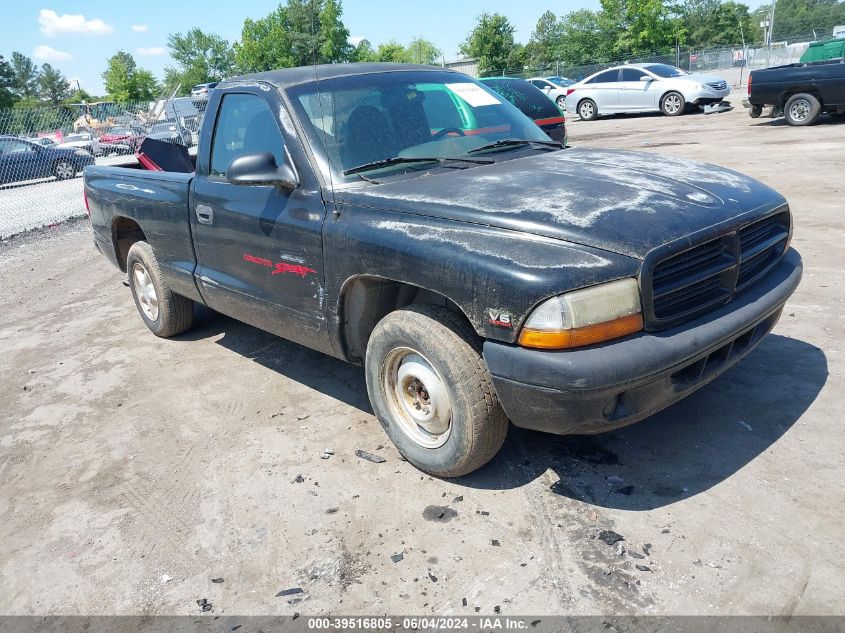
{"points": [[79, 36]]}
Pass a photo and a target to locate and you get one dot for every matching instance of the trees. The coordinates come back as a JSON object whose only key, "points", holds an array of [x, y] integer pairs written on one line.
{"points": [[265, 43], [26, 75], [364, 52], [125, 82], [712, 23], [586, 38], [334, 45], [642, 26], [7, 83], [802, 17], [392, 51], [201, 58], [544, 47], [490, 42], [423, 51], [52, 85]]}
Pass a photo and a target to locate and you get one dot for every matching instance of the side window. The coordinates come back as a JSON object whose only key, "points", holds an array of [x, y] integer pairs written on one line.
{"points": [[9, 146], [632, 74], [539, 83], [245, 125], [606, 77]]}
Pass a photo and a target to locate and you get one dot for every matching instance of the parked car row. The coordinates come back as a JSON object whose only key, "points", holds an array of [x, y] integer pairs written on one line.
{"points": [[22, 160]]}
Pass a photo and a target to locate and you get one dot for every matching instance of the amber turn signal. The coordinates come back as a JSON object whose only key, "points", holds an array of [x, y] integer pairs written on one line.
{"points": [[578, 337]]}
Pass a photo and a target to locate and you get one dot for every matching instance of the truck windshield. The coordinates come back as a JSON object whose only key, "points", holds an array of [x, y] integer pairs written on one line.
{"points": [[362, 119]]}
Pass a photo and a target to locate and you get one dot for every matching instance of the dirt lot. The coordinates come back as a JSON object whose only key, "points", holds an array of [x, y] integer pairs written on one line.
{"points": [[134, 470]]}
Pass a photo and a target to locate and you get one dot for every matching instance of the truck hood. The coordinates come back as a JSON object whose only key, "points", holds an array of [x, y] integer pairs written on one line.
{"points": [[624, 202]]}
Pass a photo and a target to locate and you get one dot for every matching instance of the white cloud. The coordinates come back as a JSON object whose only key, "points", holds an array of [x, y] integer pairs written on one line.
{"points": [[356, 39], [140, 28], [53, 24], [49, 54], [152, 51]]}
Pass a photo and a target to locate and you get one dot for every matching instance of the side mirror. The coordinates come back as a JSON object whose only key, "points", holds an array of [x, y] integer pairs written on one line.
{"points": [[646, 78], [260, 169], [547, 88]]}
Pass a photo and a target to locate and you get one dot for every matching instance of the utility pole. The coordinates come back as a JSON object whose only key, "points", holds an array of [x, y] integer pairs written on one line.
{"points": [[769, 25]]}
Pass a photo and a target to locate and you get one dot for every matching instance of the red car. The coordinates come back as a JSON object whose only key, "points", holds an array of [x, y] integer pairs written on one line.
{"points": [[121, 136]]}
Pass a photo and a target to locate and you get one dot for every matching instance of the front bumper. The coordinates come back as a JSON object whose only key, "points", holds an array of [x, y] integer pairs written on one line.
{"points": [[706, 97], [602, 387]]}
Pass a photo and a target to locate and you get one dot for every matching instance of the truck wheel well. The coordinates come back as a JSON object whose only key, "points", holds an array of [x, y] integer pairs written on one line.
{"points": [[367, 300], [124, 233], [809, 91]]}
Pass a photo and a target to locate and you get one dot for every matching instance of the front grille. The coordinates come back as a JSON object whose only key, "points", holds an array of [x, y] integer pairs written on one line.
{"points": [[718, 85], [686, 284]]}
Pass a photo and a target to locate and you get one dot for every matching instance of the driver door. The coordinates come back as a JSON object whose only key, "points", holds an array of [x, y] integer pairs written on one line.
{"points": [[259, 249], [637, 90]]}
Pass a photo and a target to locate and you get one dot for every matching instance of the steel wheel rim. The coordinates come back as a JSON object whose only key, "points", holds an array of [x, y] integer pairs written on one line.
{"points": [[417, 397], [672, 103], [145, 291], [64, 170], [800, 110], [586, 110]]}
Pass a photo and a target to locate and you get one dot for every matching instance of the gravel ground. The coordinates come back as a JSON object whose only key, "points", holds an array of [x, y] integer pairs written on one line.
{"points": [[134, 470]]}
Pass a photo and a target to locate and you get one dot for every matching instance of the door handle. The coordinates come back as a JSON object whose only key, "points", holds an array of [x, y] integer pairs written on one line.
{"points": [[205, 214]]}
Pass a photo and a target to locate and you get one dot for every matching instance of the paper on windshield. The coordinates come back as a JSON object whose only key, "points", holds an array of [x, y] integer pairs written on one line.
{"points": [[473, 94]]}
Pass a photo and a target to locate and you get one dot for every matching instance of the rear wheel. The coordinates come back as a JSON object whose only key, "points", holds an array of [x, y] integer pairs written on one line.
{"points": [[63, 170], [561, 102], [672, 104], [587, 110], [802, 109], [432, 392], [755, 112], [164, 312]]}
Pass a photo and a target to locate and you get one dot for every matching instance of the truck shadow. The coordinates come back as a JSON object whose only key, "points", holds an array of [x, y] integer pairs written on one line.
{"points": [[680, 452], [825, 119], [676, 454]]}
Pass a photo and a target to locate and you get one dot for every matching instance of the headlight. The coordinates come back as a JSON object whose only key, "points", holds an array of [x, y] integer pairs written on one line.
{"points": [[586, 316]]}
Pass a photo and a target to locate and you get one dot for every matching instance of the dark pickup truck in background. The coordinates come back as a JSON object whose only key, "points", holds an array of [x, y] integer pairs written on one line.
{"points": [[479, 273], [802, 91]]}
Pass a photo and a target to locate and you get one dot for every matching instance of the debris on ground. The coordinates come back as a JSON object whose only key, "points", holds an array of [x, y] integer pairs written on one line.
{"points": [[397, 557], [620, 549], [458, 498], [303, 417], [289, 592], [432, 577], [376, 459], [643, 567], [165, 578], [326, 453], [332, 510], [495, 543], [298, 479], [609, 537], [204, 605], [464, 602], [636, 555], [497, 609], [440, 514], [713, 565], [647, 549], [483, 513], [216, 581]]}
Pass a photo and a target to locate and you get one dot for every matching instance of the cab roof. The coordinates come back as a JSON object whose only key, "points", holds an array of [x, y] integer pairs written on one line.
{"points": [[285, 77]]}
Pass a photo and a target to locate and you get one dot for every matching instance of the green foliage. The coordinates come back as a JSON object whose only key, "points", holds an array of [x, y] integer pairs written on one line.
{"points": [[490, 42], [364, 52], [586, 38], [200, 57], [642, 26], [334, 45], [7, 83], [713, 23], [423, 51], [125, 82], [800, 17], [265, 43], [52, 85], [26, 75], [392, 51], [547, 41]]}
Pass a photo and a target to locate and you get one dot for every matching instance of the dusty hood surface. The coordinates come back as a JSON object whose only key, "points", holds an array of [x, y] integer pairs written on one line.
{"points": [[625, 202]]}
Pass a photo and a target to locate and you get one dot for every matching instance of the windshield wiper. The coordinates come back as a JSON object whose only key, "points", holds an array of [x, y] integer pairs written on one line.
{"points": [[515, 142], [399, 160]]}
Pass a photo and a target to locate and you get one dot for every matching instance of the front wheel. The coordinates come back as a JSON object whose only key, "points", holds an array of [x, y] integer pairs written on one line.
{"points": [[432, 392], [64, 170], [672, 104], [163, 311], [802, 109], [587, 110]]}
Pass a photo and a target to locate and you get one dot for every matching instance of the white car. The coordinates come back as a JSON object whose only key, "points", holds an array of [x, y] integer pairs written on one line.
{"points": [[82, 140], [553, 88], [643, 88]]}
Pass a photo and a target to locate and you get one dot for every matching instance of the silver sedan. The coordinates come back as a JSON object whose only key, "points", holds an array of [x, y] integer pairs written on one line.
{"points": [[643, 88]]}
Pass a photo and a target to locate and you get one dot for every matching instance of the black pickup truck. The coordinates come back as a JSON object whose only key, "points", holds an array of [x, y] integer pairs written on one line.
{"points": [[409, 219], [802, 91]]}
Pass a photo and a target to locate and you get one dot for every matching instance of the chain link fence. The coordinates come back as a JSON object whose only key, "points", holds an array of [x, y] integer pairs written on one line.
{"points": [[44, 150]]}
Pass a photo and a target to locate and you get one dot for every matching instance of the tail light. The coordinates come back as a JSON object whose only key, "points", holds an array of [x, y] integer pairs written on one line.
{"points": [[569, 91], [85, 198], [749, 85]]}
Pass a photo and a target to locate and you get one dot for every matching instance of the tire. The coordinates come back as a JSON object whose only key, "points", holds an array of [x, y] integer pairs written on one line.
{"points": [[755, 112], [561, 103], [164, 312], [672, 104], [802, 109], [63, 170], [422, 361], [587, 110]]}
